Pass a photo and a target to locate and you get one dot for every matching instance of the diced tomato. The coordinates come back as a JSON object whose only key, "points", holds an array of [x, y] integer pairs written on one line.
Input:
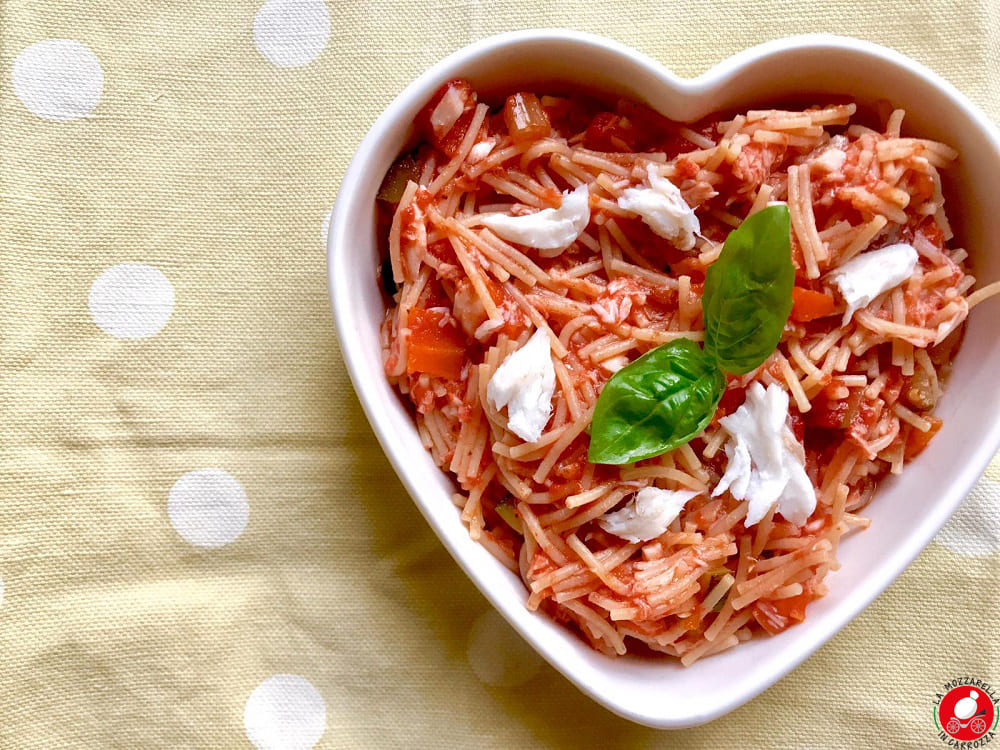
{"points": [[434, 348], [674, 145], [732, 399], [921, 186], [864, 418], [916, 441], [471, 313], [443, 251], [643, 116], [930, 229], [895, 381], [568, 116], [693, 621], [447, 129], [685, 169], [651, 126], [525, 118], [780, 614], [798, 258], [829, 414], [798, 423], [809, 305], [559, 490], [611, 132], [450, 143], [574, 461], [755, 161]]}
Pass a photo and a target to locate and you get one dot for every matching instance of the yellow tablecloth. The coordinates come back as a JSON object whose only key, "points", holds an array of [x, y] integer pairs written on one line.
{"points": [[201, 544]]}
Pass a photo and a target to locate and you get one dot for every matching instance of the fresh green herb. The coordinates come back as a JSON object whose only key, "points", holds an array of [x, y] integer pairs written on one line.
{"points": [[657, 403], [748, 292], [668, 395], [509, 515]]}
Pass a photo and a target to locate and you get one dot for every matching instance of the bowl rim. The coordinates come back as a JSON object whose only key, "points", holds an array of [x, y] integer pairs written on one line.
{"points": [[337, 256]]}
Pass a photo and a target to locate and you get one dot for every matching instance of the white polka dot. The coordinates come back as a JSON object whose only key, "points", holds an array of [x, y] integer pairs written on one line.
{"points": [[284, 712], [58, 79], [498, 655], [291, 33], [208, 508], [131, 301], [325, 228], [974, 530]]}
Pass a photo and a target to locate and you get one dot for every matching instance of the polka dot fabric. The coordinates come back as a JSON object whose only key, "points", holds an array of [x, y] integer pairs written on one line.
{"points": [[201, 544], [58, 79]]}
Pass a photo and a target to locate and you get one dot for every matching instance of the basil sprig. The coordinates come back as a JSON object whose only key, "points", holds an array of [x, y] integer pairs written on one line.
{"points": [[668, 395], [748, 292], [655, 404]]}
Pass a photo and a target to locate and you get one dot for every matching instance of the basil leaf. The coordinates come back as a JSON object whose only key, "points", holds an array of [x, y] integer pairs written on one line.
{"points": [[656, 403], [748, 292]]}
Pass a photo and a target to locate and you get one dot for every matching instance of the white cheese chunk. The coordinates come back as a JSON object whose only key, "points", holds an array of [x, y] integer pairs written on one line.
{"points": [[662, 207], [524, 383], [548, 229], [870, 274], [647, 515], [766, 462], [830, 160], [447, 111], [480, 151]]}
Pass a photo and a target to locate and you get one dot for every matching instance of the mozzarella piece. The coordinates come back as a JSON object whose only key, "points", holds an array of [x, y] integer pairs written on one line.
{"points": [[447, 111], [766, 462], [830, 160], [548, 229], [647, 515], [480, 151], [870, 274], [524, 383], [662, 207]]}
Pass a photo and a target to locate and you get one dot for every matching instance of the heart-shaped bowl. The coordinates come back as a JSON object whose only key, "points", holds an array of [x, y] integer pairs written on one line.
{"points": [[907, 511]]}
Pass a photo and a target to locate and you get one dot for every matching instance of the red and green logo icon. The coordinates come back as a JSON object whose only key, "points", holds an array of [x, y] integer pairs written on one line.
{"points": [[966, 713]]}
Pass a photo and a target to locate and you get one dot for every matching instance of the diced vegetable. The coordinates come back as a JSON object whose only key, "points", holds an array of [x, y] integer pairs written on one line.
{"points": [[446, 117], [920, 393], [916, 441], [434, 348], [450, 143], [509, 515], [834, 414], [809, 305], [731, 400], [525, 118], [780, 614], [404, 170], [651, 127], [610, 132]]}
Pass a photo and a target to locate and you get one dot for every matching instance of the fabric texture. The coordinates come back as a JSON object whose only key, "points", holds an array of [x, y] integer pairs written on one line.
{"points": [[201, 544]]}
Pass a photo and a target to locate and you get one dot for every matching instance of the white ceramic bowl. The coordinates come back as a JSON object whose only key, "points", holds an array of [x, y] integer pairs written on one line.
{"points": [[907, 511]]}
